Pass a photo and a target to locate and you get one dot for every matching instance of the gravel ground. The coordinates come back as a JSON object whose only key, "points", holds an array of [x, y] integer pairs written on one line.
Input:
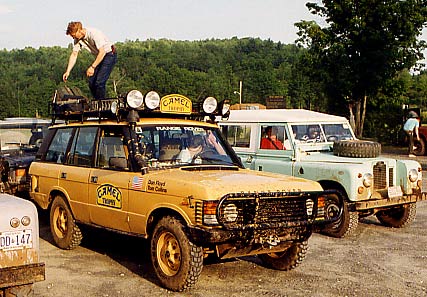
{"points": [[375, 261]]}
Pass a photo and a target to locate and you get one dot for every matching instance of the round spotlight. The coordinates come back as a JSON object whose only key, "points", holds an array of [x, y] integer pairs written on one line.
{"points": [[14, 222], [209, 105], [152, 100], [135, 99]]}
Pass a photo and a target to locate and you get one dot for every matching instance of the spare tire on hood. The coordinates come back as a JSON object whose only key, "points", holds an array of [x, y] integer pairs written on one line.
{"points": [[357, 148]]}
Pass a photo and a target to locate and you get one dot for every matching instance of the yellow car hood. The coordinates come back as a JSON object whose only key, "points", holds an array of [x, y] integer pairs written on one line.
{"points": [[206, 183]]}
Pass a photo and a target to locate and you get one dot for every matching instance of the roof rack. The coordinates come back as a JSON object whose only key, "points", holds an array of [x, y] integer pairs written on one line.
{"points": [[133, 105]]}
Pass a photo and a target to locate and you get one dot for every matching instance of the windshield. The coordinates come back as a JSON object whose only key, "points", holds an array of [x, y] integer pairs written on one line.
{"points": [[166, 146], [321, 133], [19, 136]]}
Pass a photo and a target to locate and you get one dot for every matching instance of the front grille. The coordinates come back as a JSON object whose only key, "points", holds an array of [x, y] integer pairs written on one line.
{"points": [[380, 176], [267, 211]]}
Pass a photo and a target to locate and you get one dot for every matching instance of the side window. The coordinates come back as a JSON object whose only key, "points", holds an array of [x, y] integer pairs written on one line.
{"points": [[237, 136], [81, 151], [274, 138], [112, 152], [56, 151]]}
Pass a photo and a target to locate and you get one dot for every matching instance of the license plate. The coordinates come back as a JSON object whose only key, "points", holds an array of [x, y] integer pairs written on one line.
{"points": [[14, 240], [395, 191]]}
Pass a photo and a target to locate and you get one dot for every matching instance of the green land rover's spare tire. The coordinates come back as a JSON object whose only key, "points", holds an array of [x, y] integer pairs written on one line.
{"points": [[357, 148]]}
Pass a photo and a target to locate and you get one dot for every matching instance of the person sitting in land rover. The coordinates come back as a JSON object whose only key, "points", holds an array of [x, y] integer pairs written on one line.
{"points": [[323, 148], [125, 170]]}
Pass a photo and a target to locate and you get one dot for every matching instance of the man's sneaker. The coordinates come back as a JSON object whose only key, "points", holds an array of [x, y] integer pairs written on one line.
{"points": [[414, 147], [412, 156]]}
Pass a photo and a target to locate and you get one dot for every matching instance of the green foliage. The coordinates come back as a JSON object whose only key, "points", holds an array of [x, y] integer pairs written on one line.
{"points": [[365, 44], [29, 77]]}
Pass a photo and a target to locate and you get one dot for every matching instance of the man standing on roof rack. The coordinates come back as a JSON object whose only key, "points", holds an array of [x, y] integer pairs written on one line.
{"points": [[105, 56]]}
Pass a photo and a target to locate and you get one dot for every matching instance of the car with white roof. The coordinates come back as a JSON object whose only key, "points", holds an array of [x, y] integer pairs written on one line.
{"points": [[323, 148]]}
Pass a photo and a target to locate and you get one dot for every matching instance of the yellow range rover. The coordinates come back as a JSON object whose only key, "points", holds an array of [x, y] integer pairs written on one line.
{"points": [[159, 168]]}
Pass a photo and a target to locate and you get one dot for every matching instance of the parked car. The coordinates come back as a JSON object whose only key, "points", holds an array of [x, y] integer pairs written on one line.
{"points": [[152, 167], [20, 138], [19, 247], [323, 148]]}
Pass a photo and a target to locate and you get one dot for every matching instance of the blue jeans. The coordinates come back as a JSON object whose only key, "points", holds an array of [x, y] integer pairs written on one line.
{"points": [[102, 72]]}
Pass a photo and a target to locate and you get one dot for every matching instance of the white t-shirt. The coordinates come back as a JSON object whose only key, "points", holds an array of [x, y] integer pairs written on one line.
{"points": [[93, 40]]}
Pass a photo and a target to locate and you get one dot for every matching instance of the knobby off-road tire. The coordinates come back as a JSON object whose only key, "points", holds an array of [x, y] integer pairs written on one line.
{"points": [[288, 259], [345, 226], [18, 291], [420, 147], [357, 149], [65, 232], [176, 260], [398, 217]]}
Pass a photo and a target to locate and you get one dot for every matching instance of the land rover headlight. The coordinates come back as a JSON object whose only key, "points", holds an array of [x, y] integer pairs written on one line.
{"points": [[413, 175], [230, 213], [368, 180], [135, 99], [152, 100], [209, 105]]}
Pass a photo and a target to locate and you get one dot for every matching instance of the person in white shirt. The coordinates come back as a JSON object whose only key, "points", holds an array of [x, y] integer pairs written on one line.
{"points": [[104, 51]]}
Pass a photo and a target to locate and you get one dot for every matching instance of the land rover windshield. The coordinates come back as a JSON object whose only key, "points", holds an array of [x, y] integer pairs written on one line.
{"points": [[183, 145], [320, 136]]}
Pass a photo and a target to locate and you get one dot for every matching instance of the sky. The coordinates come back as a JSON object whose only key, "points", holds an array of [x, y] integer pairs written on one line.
{"points": [[35, 23]]}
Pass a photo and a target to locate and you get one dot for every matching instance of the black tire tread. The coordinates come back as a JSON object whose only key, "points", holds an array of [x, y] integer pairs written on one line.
{"points": [[357, 149]]}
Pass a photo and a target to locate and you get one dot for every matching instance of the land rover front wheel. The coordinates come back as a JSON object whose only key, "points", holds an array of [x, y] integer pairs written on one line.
{"points": [[287, 259], [344, 226], [65, 232], [176, 260], [398, 217]]}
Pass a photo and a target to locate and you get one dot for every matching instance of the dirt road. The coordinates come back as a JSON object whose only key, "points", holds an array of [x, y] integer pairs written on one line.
{"points": [[376, 261]]}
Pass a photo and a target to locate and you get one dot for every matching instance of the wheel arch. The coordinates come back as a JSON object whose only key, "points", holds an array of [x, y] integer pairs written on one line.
{"points": [[160, 213], [330, 184]]}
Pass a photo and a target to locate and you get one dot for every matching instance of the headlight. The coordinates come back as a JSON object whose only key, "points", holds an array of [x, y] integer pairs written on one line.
{"points": [[230, 213], [25, 220], [135, 99], [209, 105], [413, 175], [14, 222], [152, 100], [368, 180]]}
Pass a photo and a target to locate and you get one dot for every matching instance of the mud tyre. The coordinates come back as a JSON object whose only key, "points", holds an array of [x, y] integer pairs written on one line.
{"points": [[420, 147], [65, 232], [287, 259], [357, 149], [18, 291], [177, 262], [398, 217], [345, 226]]}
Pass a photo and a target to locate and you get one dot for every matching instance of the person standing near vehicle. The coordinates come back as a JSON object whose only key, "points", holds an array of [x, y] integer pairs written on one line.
{"points": [[105, 56], [410, 127]]}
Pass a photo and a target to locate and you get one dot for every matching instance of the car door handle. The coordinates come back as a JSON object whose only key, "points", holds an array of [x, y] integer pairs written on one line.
{"points": [[93, 179], [249, 159], [63, 175]]}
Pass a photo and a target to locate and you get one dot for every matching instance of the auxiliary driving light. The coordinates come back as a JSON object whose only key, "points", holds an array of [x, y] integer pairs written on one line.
{"points": [[152, 100], [209, 105], [135, 99]]}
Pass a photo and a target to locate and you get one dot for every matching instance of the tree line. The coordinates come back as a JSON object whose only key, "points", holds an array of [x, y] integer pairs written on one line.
{"points": [[197, 69]]}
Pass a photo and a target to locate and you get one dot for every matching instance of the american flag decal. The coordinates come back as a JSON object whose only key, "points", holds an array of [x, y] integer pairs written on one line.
{"points": [[137, 183]]}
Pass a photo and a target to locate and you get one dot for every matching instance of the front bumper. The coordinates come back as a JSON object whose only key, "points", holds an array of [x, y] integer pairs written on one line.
{"points": [[21, 275], [387, 202]]}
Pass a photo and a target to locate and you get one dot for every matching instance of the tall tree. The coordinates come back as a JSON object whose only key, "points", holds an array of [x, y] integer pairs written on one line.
{"points": [[363, 45]]}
